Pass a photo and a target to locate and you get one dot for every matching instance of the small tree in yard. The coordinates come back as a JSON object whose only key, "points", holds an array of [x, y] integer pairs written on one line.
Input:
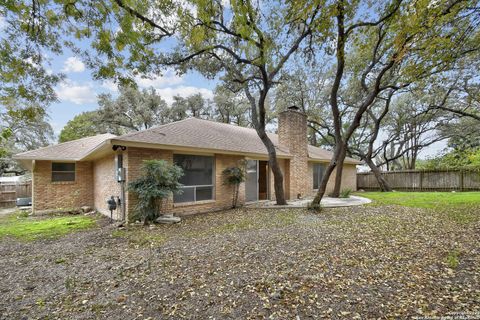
{"points": [[158, 181], [234, 176]]}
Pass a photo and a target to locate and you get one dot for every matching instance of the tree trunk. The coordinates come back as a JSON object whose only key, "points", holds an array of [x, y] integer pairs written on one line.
{"points": [[322, 188], [338, 174], [384, 186], [277, 181], [277, 172], [237, 190], [259, 124], [234, 196], [337, 121]]}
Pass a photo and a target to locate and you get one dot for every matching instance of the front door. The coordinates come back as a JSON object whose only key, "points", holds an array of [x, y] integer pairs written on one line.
{"points": [[262, 180], [256, 183], [251, 181]]}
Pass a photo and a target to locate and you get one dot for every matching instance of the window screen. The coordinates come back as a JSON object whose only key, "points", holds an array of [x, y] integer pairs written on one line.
{"points": [[197, 181], [63, 171], [318, 172]]}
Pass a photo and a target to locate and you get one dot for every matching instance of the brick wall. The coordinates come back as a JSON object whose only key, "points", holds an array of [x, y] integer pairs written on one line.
{"points": [[95, 183], [134, 157], [132, 161], [51, 196], [292, 134], [105, 184], [285, 167], [349, 178]]}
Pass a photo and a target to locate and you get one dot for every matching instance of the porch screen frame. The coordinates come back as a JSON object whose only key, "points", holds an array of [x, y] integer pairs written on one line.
{"points": [[318, 170], [194, 188]]}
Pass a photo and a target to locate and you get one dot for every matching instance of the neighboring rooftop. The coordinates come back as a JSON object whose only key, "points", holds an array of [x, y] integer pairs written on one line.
{"points": [[72, 150], [190, 133]]}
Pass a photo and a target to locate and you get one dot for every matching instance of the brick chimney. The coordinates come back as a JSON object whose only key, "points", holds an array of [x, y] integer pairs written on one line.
{"points": [[292, 135]]}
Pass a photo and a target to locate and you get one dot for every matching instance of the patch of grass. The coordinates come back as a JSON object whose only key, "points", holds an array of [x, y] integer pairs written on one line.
{"points": [[345, 193], [70, 283], [141, 236], [462, 215], [22, 214], [268, 219], [41, 303], [453, 259], [427, 200], [32, 228]]}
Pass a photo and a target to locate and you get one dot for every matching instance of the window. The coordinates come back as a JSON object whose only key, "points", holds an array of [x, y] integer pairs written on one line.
{"points": [[63, 171], [198, 178], [318, 172]]}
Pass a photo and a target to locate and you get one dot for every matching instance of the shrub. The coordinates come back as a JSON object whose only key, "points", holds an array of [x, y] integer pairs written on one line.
{"points": [[345, 193], [234, 176], [158, 181], [453, 259]]}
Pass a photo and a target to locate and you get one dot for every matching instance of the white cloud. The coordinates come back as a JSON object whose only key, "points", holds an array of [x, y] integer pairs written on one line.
{"points": [[57, 128], [184, 91], [110, 86], [167, 86], [69, 91], [168, 79], [73, 64]]}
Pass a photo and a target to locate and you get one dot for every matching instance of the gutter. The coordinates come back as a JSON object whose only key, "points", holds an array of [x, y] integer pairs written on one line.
{"points": [[192, 149]]}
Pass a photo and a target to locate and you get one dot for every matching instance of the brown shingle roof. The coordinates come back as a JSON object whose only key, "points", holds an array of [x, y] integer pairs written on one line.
{"points": [[191, 133], [71, 151], [204, 134]]}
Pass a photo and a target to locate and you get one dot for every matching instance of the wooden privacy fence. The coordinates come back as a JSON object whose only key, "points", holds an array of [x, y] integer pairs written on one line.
{"points": [[441, 180], [10, 192]]}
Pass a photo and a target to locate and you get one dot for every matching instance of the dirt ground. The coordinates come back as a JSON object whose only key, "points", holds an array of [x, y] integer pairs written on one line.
{"points": [[352, 263]]}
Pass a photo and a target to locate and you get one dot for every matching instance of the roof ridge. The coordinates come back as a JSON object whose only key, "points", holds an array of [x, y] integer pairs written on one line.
{"points": [[66, 142], [153, 128], [226, 124]]}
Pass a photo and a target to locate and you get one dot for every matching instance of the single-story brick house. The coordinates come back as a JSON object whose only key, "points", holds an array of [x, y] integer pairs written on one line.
{"points": [[88, 171]]}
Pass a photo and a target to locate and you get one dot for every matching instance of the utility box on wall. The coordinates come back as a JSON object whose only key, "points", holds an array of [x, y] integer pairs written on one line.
{"points": [[120, 170], [121, 174]]}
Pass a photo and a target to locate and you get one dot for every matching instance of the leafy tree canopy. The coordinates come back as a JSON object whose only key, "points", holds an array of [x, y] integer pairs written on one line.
{"points": [[23, 128], [133, 109], [83, 125]]}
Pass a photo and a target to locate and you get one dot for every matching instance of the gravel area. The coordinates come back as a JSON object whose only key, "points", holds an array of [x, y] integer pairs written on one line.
{"points": [[353, 263]]}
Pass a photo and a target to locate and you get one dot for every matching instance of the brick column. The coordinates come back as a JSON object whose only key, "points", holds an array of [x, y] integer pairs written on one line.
{"points": [[292, 134]]}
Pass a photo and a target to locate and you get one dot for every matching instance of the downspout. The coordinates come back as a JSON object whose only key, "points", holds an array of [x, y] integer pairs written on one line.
{"points": [[33, 186]]}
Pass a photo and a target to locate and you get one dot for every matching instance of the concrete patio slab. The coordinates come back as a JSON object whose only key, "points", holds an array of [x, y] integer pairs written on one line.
{"points": [[327, 202]]}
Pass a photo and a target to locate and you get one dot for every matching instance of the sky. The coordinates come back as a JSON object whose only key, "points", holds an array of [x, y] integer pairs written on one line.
{"points": [[79, 91]]}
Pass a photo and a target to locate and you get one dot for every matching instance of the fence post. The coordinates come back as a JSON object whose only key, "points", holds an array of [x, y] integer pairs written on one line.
{"points": [[458, 179], [461, 180], [421, 180]]}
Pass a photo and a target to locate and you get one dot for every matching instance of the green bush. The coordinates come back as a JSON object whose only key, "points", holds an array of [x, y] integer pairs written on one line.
{"points": [[234, 176], [345, 193], [158, 181]]}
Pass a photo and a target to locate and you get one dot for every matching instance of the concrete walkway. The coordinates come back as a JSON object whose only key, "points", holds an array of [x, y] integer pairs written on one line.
{"points": [[327, 202]]}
